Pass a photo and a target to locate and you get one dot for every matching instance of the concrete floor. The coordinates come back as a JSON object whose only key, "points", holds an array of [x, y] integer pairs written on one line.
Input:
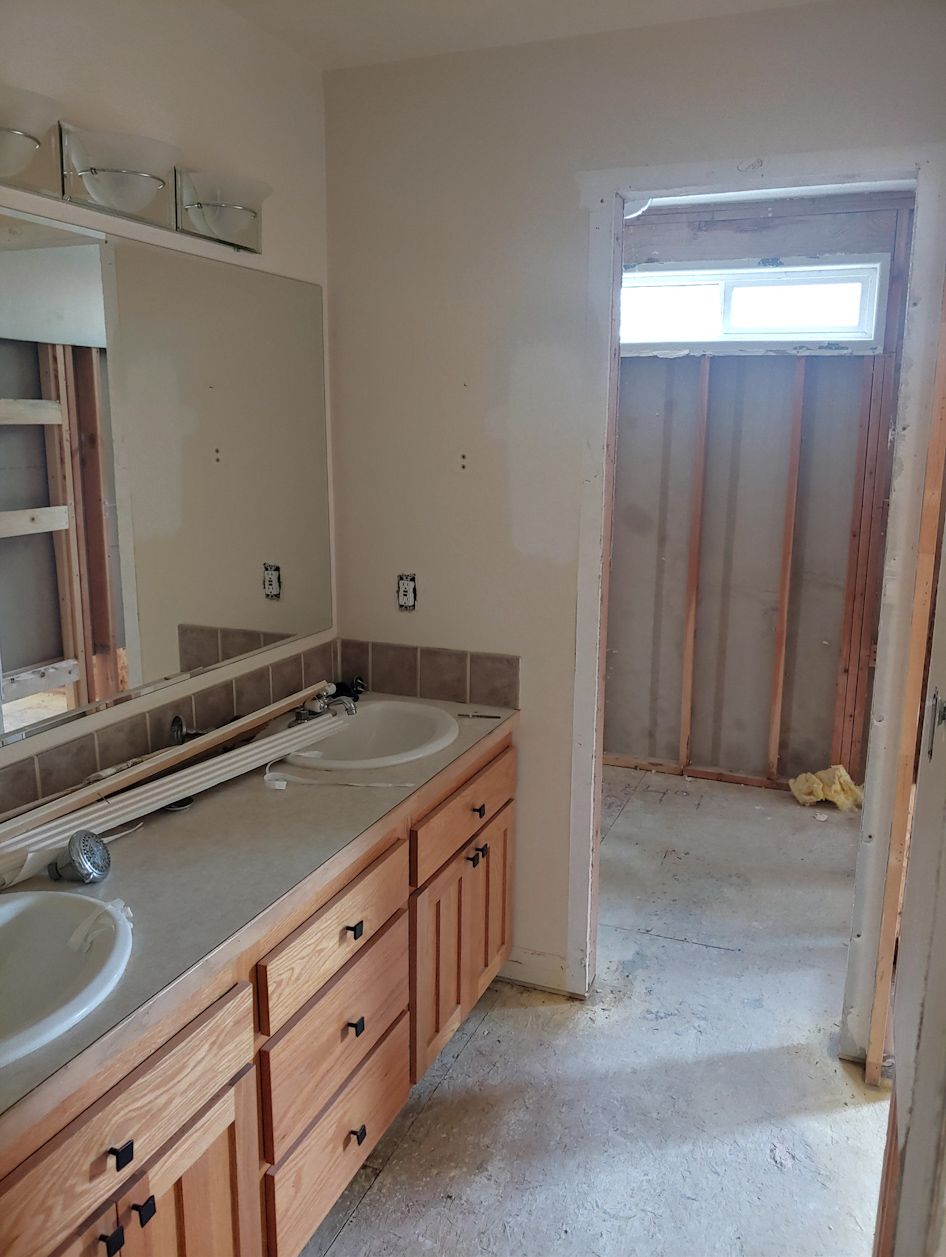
{"points": [[693, 1106]]}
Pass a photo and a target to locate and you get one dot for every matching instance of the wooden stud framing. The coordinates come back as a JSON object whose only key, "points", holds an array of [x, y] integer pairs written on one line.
{"points": [[23, 411], [700, 774], [104, 677], [59, 466], [785, 572], [842, 719], [39, 679], [37, 519], [693, 563], [923, 591]]}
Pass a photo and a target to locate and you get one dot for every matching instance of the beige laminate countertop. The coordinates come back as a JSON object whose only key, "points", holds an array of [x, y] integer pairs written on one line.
{"points": [[194, 879]]}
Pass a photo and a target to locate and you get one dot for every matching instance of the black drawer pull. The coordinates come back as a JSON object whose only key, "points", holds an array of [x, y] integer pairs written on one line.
{"points": [[474, 859], [480, 811], [124, 1154], [357, 929], [115, 1242], [361, 1134], [146, 1210], [484, 850], [358, 1027]]}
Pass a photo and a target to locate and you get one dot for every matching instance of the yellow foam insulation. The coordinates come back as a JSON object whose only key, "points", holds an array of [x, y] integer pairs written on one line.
{"points": [[833, 784]]}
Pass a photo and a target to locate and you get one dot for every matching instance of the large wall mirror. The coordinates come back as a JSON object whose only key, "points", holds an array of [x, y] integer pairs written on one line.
{"points": [[163, 467]]}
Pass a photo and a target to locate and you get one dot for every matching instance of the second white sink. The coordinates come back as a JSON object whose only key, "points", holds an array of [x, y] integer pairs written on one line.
{"points": [[384, 732]]}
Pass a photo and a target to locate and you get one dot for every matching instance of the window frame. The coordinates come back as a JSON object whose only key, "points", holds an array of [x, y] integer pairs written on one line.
{"points": [[872, 270]]}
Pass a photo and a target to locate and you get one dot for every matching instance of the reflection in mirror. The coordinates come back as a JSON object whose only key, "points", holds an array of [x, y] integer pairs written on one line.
{"points": [[163, 467]]}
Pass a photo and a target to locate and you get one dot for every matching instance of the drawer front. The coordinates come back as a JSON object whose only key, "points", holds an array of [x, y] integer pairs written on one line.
{"points": [[75, 1173], [294, 971], [303, 1066], [301, 1190], [441, 833]]}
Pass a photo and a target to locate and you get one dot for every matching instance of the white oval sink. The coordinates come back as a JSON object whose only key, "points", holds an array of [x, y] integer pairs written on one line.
{"points": [[384, 732], [60, 955]]}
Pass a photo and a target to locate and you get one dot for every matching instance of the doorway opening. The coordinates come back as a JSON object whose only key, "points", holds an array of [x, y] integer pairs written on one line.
{"points": [[756, 401]]}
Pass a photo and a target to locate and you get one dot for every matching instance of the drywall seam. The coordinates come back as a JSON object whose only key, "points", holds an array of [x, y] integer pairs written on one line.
{"points": [[923, 168]]}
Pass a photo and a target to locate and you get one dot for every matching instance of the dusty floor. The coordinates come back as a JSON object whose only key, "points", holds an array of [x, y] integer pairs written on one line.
{"points": [[693, 1106], [29, 711]]}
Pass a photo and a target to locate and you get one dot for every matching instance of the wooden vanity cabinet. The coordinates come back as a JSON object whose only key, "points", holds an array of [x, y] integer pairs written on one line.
{"points": [[359, 980]]}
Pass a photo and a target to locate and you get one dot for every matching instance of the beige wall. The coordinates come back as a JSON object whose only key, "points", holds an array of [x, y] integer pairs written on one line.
{"points": [[196, 74], [458, 302]]}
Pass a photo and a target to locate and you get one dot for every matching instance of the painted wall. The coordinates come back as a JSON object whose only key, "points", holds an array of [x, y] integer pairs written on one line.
{"points": [[459, 302], [194, 73]]}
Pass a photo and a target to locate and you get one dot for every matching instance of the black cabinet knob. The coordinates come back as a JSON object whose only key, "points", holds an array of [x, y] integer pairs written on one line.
{"points": [[358, 1027], [480, 811], [361, 1134], [357, 929], [484, 850], [115, 1242], [474, 859], [124, 1154], [146, 1210]]}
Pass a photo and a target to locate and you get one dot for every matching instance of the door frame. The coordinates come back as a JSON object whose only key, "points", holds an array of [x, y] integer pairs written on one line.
{"points": [[607, 196]]}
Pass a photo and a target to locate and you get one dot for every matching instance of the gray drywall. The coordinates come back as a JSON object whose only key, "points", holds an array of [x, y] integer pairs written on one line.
{"points": [[29, 594]]}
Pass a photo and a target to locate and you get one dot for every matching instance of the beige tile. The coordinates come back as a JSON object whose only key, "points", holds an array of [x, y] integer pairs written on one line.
{"points": [[287, 677], [198, 646], [494, 680], [393, 668], [123, 741], [66, 766], [214, 707], [354, 659], [443, 674], [318, 663], [234, 642], [159, 721], [253, 691], [18, 785]]}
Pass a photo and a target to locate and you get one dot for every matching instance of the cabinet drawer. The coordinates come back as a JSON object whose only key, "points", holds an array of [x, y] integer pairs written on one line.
{"points": [[444, 830], [303, 1066], [302, 963], [75, 1172], [301, 1190]]}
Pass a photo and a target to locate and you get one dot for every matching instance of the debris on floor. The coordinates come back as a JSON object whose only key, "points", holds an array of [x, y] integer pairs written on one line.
{"points": [[833, 784]]}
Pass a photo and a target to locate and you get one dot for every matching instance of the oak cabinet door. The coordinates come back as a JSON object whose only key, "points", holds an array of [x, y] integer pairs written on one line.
{"points": [[440, 946], [460, 936], [489, 926], [201, 1193]]}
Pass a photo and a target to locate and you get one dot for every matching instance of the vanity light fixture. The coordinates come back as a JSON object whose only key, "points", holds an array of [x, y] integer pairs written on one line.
{"points": [[25, 120], [126, 174], [221, 207]]}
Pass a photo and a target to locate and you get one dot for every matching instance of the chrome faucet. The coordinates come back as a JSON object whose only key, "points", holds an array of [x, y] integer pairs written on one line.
{"points": [[328, 701]]}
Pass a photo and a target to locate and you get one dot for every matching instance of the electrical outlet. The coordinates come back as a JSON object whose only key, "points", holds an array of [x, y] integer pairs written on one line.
{"points": [[272, 581], [407, 591]]}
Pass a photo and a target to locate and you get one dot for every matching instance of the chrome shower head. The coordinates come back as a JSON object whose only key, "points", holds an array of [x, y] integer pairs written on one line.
{"points": [[87, 859]]}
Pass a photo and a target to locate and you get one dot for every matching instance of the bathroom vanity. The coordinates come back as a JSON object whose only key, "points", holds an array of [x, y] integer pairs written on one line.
{"points": [[301, 956]]}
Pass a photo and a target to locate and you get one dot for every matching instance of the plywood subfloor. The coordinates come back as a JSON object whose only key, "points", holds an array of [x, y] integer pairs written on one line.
{"points": [[694, 1105]]}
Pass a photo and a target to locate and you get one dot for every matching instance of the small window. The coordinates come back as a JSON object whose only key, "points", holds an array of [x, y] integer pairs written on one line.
{"points": [[830, 306]]}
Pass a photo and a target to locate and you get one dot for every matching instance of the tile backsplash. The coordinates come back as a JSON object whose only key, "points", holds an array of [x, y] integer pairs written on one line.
{"points": [[457, 676]]}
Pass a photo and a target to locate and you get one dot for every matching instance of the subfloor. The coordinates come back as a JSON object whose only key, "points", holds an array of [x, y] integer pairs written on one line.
{"points": [[694, 1105]]}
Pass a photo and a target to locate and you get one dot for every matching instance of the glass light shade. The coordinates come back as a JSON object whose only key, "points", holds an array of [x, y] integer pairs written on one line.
{"points": [[25, 118], [224, 207], [123, 173]]}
